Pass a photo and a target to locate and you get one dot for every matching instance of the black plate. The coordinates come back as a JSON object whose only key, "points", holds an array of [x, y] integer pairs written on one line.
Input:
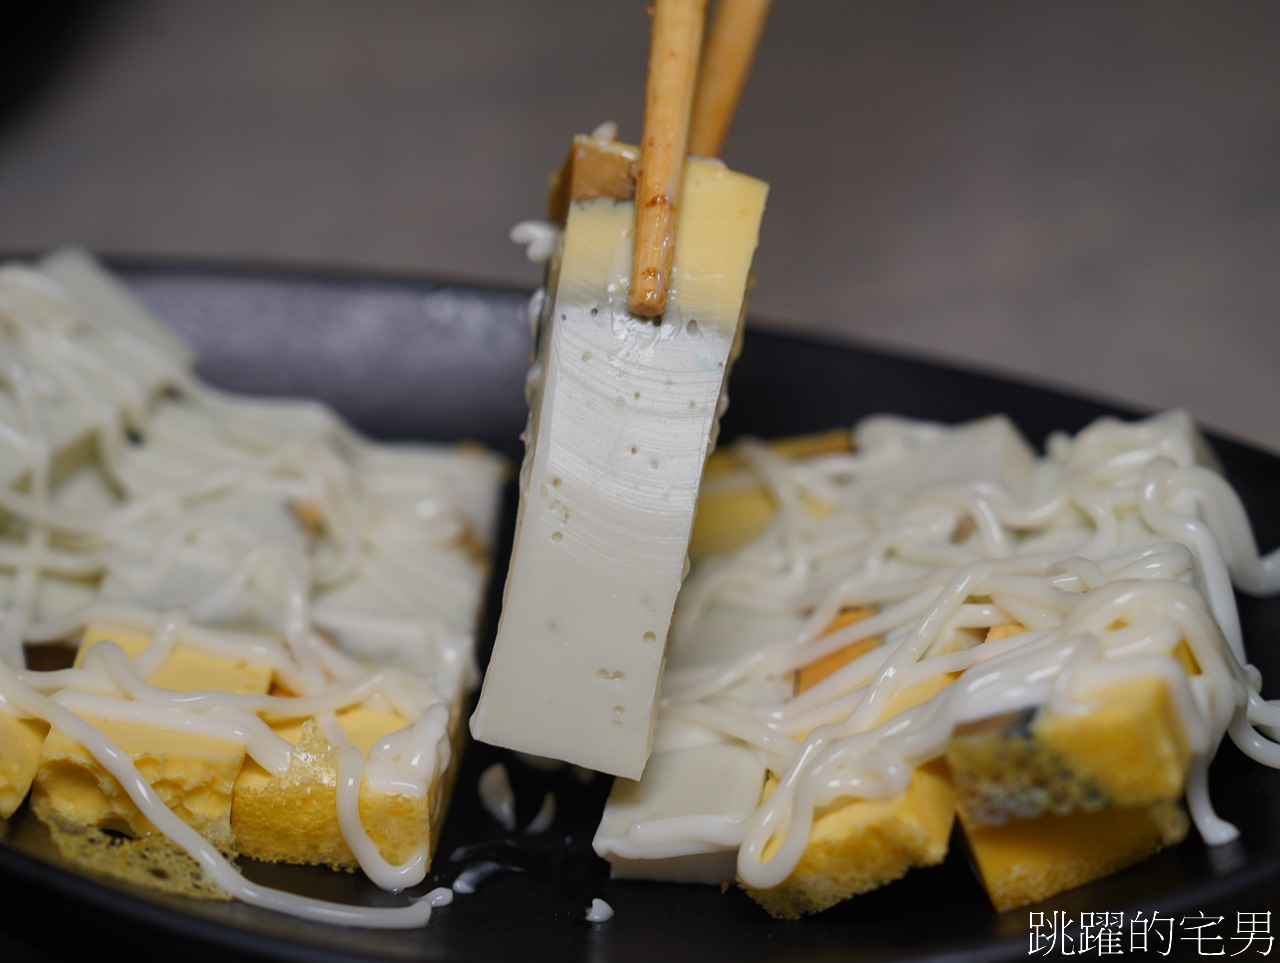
{"points": [[416, 359]]}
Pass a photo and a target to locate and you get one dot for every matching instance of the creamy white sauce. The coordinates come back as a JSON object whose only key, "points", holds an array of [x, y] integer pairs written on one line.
{"points": [[474, 875], [440, 896], [496, 796], [545, 817], [539, 240], [606, 131], [1110, 549], [599, 912], [184, 529]]}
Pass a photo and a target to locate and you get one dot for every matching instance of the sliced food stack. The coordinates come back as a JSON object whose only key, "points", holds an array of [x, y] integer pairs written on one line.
{"points": [[273, 618], [888, 630], [622, 414], [648, 266]]}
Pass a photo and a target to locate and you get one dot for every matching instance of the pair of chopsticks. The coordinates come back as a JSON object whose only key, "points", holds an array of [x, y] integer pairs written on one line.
{"points": [[675, 123]]}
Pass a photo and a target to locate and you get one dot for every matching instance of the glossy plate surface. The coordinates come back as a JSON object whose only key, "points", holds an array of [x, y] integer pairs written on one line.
{"points": [[415, 359]]}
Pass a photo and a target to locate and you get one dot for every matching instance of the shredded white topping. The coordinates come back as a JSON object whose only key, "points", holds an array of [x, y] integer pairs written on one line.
{"points": [[262, 531], [1110, 550]]}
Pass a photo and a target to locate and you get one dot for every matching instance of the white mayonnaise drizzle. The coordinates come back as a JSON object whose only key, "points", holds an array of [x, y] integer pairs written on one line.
{"points": [[179, 520], [599, 911], [471, 877], [1110, 550], [496, 795], [545, 817], [440, 896], [539, 240]]}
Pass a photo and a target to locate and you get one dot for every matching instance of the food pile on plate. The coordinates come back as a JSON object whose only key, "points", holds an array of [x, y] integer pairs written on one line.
{"points": [[269, 621], [911, 625]]}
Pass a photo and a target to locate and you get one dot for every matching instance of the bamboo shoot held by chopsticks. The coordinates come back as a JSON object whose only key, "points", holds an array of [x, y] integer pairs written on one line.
{"points": [[622, 414]]}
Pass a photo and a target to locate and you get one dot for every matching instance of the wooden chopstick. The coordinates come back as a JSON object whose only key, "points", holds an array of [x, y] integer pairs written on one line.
{"points": [[668, 103], [726, 62]]}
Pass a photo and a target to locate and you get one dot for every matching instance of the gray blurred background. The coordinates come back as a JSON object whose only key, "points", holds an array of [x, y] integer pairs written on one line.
{"points": [[1083, 193]]}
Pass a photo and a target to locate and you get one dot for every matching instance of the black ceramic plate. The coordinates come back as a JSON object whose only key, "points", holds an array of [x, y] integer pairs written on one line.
{"points": [[414, 359]]}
